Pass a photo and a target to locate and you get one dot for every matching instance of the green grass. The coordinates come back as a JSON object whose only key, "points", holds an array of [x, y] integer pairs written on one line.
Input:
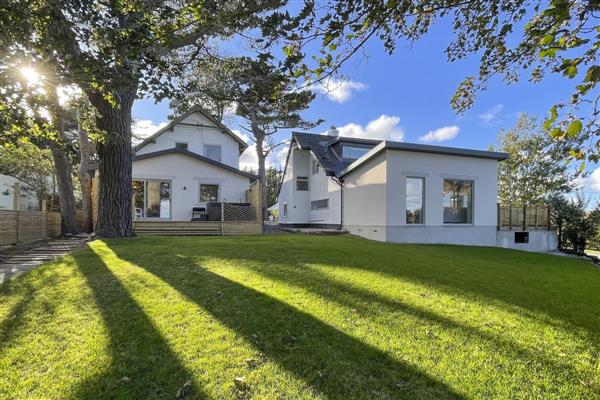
{"points": [[300, 317]]}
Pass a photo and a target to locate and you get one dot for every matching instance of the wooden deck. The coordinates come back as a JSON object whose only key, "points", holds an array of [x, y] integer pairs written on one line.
{"points": [[197, 228]]}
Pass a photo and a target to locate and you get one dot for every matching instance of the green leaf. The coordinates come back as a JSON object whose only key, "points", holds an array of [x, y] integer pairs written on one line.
{"points": [[574, 129], [546, 40], [570, 71], [557, 133], [592, 74]]}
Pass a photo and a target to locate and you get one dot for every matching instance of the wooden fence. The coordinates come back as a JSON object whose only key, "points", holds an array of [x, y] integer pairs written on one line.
{"points": [[27, 226], [523, 218]]}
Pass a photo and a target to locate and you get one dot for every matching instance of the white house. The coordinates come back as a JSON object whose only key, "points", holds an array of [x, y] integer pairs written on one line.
{"points": [[190, 163], [391, 191], [27, 198]]}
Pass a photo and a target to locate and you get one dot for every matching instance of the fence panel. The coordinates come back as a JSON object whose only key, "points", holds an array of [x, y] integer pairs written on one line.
{"points": [[535, 217], [27, 226]]}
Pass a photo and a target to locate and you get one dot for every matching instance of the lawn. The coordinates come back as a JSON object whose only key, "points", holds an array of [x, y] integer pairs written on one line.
{"points": [[300, 317]]}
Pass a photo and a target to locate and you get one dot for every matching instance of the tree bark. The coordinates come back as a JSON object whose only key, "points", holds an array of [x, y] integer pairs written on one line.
{"points": [[115, 156], [64, 173], [85, 179], [259, 138]]}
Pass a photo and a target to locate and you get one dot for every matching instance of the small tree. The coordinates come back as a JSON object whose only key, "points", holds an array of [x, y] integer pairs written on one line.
{"points": [[274, 176], [575, 226], [30, 164], [535, 167], [266, 98]]}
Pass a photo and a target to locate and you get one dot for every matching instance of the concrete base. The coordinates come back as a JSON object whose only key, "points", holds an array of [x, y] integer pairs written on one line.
{"points": [[539, 241]]}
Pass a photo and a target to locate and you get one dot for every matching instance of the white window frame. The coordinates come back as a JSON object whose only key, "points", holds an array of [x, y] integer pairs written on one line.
{"points": [[313, 208], [472, 181], [206, 146], [200, 184], [307, 184], [422, 178], [285, 209]]}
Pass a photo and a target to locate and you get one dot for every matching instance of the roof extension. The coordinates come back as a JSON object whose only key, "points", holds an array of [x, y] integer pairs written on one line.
{"points": [[320, 146], [197, 157], [179, 119]]}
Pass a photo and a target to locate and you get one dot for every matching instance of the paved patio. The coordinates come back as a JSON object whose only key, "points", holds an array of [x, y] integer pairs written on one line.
{"points": [[16, 261]]}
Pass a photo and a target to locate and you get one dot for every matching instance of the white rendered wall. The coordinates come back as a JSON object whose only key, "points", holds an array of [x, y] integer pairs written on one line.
{"points": [[196, 137], [434, 168], [28, 200], [322, 187], [539, 241], [365, 199], [186, 174]]}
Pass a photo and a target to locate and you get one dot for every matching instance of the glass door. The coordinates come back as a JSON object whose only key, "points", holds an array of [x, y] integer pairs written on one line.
{"points": [[152, 199]]}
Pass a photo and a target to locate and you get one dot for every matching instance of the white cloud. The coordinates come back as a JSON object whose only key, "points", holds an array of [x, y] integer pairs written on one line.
{"points": [[441, 134], [590, 183], [337, 90], [142, 128], [490, 115], [383, 128]]}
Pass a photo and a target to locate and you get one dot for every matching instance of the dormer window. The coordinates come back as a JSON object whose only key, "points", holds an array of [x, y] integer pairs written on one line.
{"points": [[353, 152], [212, 151], [179, 145]]}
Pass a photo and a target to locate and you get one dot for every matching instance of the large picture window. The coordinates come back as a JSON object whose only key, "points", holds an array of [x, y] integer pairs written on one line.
{"points": [[209, 193], [458, 201], [415, 200]]}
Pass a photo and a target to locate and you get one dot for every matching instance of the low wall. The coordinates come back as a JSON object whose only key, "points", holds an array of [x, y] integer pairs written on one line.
{"points": [[463, 235], [539, 241], [27, 226], [242, 228]]}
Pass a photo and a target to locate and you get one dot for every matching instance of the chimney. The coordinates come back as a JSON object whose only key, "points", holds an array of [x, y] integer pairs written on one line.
{"points": [[333, 132]]}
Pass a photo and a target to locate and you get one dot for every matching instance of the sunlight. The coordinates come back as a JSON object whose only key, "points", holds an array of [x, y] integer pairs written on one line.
{"points": [[31, 75]]}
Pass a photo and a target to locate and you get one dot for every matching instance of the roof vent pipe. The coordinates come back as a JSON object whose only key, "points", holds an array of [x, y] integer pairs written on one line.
{"points": [[333, 132]]}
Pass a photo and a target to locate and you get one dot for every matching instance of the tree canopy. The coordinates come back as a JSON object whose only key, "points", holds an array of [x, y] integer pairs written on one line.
{"points": [[512, 38], [536, 166]]}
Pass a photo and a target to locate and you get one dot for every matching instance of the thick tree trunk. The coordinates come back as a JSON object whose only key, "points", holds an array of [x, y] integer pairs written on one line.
{"points": [[85, 179], [115, 154]]}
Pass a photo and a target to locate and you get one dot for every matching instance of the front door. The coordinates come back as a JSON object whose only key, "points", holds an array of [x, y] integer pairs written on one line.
{"points": [[152, 199]]}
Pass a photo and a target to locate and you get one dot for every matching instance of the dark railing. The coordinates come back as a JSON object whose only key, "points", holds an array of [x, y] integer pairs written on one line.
{"points": [[525, 218]]}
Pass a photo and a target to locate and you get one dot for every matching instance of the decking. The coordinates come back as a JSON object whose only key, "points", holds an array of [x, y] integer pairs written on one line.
{"points": [[198, 228]]}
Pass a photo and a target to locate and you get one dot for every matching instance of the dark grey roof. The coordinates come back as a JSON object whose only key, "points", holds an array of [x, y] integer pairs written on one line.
{"points": [[321, 147], [196, 156], [243, 145]]}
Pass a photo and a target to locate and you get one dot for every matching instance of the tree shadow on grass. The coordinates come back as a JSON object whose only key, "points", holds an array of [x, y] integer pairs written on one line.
{"points": [[26, 287], [562, 289], [332, 363], [366, 303], [142, 364]]}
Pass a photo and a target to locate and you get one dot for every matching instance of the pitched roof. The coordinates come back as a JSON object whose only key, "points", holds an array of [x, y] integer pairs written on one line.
{"points": [[320, 146], [197, 157], [180, 118]]}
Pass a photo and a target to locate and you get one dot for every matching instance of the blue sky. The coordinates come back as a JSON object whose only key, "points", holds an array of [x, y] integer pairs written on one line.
{"points": [[407, 95]]}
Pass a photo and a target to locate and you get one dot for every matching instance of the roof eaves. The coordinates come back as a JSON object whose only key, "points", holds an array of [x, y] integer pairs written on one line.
{"points": [[196, 156]]}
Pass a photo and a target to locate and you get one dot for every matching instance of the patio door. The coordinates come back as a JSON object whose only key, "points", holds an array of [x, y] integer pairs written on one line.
{"points": [[152, 199]]}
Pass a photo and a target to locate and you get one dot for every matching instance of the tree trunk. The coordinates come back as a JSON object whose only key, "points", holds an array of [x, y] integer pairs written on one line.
{"points": [[115, 156], [259, 138], [85, 179]]}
